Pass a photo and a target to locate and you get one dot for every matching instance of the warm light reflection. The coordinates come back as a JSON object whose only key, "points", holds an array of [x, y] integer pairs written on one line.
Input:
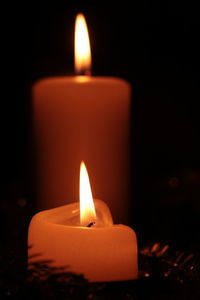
{"points": [[87, 209], [82, 47]]}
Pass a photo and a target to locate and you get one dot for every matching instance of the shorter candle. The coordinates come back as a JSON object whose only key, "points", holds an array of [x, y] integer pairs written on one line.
{"points": [[84, 239]]}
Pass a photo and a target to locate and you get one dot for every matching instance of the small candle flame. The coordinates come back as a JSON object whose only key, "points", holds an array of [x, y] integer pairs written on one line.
{"points": [[82, 47], [87, 209]]}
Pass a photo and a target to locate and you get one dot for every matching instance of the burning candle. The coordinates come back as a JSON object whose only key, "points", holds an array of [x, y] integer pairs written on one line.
{"points": [[82, 116], [84, 239]]}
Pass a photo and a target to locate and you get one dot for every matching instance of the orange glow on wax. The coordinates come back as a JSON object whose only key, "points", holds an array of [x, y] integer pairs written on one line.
{"points": [[87, 209], [82, 51]]}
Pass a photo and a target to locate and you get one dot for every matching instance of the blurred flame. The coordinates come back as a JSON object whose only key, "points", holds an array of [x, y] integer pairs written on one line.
{"points": [[87, 209], [82, 47]]}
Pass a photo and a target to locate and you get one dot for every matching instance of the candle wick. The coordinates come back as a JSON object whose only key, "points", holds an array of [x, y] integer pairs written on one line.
{"points": [[84, 72], [90, 224]]}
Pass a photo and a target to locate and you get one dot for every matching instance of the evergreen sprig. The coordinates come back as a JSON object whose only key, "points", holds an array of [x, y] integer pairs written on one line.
{"points": [[164, 272]]}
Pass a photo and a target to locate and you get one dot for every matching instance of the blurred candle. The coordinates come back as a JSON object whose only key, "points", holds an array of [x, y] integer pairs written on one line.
{"points": [[84, 240], [82, 116]]}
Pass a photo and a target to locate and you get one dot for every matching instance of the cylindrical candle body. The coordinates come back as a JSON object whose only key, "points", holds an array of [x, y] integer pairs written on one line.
{"points": [[82, 118], [107, 253]]}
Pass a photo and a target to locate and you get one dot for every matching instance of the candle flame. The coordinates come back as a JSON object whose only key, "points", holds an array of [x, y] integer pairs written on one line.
{"points": [[87, 209], [82, 47]]}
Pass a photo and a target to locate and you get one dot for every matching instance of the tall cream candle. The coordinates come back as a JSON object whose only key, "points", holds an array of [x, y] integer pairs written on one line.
{"points": [[82, 117]]}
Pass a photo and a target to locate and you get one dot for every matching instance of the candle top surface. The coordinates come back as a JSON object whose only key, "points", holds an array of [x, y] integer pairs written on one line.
{"points": [[83, 80], [68, 215]]}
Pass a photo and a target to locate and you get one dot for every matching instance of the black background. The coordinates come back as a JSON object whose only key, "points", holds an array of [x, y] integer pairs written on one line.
{"points": [[152, 44]]}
